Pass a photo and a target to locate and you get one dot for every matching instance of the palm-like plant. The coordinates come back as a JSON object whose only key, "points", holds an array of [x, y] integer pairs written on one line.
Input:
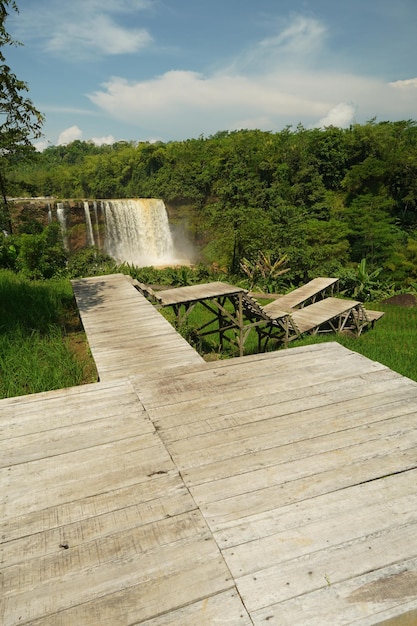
{"points": [[263, 272]]}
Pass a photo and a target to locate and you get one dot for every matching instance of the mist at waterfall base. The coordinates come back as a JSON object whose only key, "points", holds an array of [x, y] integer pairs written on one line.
{"points": [[137, 232]]}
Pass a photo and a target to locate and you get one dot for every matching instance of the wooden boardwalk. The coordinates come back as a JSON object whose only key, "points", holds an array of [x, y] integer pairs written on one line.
{"points": [[124, 334], [279, 488]]}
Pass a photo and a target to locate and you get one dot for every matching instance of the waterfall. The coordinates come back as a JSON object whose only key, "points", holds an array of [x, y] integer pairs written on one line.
{"points": [[90, 234], [134, 231], [97, 223], [62, 219], [137, 232]]}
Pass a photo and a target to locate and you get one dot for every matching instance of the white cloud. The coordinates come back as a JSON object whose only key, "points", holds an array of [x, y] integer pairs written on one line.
{"points": [[341, 116], [193, 104], [98, 35], [40, 146], [275, 83], [100, 141], [298, 43], [182, 99], [303, 36], [69, 134], [409, 83], [83, 28]]}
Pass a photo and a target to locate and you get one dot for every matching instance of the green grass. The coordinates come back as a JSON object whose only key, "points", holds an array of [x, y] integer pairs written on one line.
{"points": [[36, 351], [393, 341]]}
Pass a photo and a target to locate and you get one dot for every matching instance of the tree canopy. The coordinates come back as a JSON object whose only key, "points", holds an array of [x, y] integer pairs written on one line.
{"points": [[20, 121], [327, 198]]}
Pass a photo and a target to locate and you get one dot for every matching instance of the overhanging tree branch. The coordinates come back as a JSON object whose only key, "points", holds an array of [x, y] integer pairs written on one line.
{"points": [[20, 121]]}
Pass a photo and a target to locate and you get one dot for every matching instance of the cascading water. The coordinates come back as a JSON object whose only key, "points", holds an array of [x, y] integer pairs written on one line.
{"points": [[137, 232], [62, 219], [134, 231], [97, 224], [90, 234]]}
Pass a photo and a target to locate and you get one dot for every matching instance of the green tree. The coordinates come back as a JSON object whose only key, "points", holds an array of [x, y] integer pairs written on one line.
{"points": [[20, 121]]}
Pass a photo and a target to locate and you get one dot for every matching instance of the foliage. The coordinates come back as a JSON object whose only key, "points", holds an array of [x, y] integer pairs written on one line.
{"points": [[263, 272], [326, 198], [175, 276], [20, 121], [366, 281], [34, 353], [42, 255], [89, 262]]}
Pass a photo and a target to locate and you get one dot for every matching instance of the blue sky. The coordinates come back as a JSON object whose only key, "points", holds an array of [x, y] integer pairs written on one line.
{"points": [[146, 70]]}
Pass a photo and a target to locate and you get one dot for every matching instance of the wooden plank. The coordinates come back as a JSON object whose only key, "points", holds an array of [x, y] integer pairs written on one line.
{"points": [[126, 333], [271, 405], [363, 601], [300, 371], [112, 567], [277, 429], [266, 393], [112, 545], [63, 440], [297, 297], [194, 293], [268, 498], [162, 496], [308, 537], [303, 574], [396, 494], [157, 596], [58, 480], [226, 606], [318, 464], [261, 454], [317, 314]]}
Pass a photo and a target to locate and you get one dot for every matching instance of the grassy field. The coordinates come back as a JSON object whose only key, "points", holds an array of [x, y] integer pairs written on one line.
{"points": [[42, 345]]}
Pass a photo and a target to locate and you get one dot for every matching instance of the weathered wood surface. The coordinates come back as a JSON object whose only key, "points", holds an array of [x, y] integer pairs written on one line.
{"points": [[96, 525], [125, 333], [314, 289], [194, 293], [304, 466], [278, 488], [316, 315]]}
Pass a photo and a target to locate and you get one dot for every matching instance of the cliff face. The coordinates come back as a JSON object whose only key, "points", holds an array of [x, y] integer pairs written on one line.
{"points": [[27, 214]]}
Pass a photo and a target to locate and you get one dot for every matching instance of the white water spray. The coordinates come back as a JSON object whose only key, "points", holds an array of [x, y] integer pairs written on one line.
{"points": [[137, 232], [90, 234], [62, 219]]}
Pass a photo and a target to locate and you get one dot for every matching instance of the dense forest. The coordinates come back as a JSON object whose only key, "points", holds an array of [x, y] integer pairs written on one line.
{"points": [[326, 199]]}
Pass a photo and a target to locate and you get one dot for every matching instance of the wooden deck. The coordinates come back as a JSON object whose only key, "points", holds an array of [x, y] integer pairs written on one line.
{"points": [[279, 488]]}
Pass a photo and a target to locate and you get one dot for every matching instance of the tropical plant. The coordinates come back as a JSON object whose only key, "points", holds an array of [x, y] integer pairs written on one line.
{"points": [[366, 282], [263, 272]]}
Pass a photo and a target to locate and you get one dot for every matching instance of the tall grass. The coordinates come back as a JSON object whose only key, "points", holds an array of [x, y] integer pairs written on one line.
{"points": [[35, 354]]}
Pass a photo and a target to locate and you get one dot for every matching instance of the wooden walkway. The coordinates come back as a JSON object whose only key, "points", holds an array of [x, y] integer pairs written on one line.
{"points": [[124, 333], [279, 488]]}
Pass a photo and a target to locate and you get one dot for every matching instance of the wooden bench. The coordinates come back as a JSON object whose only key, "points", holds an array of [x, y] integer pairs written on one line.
{"points": [[309, 293]]}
